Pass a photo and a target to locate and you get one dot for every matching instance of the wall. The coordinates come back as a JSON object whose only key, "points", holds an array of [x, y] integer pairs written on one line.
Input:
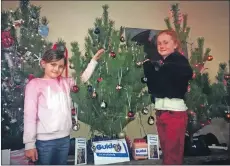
{"points": [[70, 20]]}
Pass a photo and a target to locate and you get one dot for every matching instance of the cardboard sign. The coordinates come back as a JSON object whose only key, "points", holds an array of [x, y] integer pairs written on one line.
{"points": [[110, 151], [153, 146], [80, 151]]}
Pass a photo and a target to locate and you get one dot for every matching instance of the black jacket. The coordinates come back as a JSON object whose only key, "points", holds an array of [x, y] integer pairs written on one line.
{"points": [[171, 80]]}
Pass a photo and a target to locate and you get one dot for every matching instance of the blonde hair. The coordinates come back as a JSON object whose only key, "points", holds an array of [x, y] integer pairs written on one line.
{"points": [[174, 37]]}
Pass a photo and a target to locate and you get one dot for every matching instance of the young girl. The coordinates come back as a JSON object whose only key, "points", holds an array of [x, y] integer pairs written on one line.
{"points": [[168, 81], [47, 110]]}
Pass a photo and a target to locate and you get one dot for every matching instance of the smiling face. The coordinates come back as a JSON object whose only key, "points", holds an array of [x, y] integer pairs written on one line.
{"points": [[166, 45], [53, 69]]}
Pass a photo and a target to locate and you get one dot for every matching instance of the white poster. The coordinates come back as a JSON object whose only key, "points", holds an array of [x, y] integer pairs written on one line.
{"points": [[5, 157], [80, 151], [153, 146], [110, 151]]}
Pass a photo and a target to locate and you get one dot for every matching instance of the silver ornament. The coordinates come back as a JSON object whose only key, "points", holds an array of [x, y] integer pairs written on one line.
{"points": [[103, 104], [151, 120], [76, 127], [145, 111], [121, 135]]}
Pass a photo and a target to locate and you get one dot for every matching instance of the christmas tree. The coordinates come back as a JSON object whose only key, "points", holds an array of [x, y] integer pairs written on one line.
{"points": [[204, 100], [23, 42], [114, 94]]}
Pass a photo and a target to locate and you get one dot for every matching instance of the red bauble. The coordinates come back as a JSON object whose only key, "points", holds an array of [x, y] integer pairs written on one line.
{"points": [[99, 79], [194, 76], [6, 39], [228, 116], [227, 77], [73, 111], [75, 89], [210, 58], [112, 54], [130, 114]]}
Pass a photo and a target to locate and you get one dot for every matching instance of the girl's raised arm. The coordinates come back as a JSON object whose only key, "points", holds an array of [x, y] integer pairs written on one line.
{"points": [[91, 66]]}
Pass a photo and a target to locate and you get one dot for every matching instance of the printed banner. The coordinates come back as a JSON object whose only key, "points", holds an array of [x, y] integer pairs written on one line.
{"points": [[153, 146], [110, 151]]}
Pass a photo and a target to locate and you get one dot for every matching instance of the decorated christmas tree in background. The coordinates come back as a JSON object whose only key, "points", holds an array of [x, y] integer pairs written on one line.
{"points": [[114, 94], [204, 100], [22, 46]]}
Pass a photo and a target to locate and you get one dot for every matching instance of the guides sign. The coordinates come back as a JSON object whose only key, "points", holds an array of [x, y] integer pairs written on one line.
{"points": [[110, 151]]}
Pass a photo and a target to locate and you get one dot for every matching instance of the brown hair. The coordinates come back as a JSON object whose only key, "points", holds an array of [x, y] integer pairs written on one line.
{"points": [[52, 56], [174, 36]]}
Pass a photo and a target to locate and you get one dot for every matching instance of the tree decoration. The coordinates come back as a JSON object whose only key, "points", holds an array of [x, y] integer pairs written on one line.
{"points": [[151, 120]]}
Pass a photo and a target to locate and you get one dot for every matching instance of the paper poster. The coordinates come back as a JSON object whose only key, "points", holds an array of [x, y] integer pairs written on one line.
{"points": [[153, 146], [5, 157], [80, 151]]}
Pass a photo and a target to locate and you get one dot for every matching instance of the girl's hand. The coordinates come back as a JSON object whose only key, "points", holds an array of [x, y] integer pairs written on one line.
{"points": [[97, 56], [31, 154]]}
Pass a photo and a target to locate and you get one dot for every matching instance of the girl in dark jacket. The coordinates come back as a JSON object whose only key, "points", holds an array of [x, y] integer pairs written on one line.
{"points": [[167, 82]]}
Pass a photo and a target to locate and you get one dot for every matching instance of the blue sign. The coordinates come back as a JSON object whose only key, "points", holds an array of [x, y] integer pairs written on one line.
{"points": [[110, 151]]}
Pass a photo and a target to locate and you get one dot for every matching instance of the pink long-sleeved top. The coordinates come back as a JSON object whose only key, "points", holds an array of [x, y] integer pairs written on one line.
{"points": [[47, 108]]}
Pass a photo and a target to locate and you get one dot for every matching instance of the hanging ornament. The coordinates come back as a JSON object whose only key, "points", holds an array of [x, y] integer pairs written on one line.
{"points": [[158, 65], [131, 114], [6, 39], [71, 66], [112, 54], [122, 39], [118, 87], [18, 23], [103, 104], [43, 29], [33, 15], [145, 111], [121, 135], [210, 58], [189, 88], [139, 64], [193, 75], [97, 31], [76, 127], [117, 147], [94, 94], [75, 89], [151, 120], [202, 105], [119, 76], [227, 77], [144, 80], [17, 79], [90, 88], [73, 111], [99, 79]]}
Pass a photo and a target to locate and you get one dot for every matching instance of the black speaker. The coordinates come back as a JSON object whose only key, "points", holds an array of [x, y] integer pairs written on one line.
{"points": [[197, 147]]}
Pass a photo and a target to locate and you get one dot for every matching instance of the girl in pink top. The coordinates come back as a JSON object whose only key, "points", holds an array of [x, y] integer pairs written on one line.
{"points": [[47, 110]]}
